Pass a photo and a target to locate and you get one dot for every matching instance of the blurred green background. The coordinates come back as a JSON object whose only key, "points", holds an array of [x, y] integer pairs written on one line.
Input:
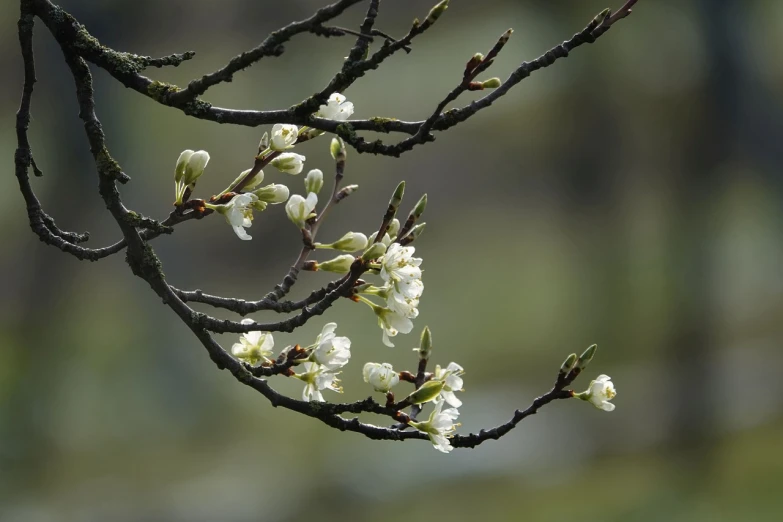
{"points": [[628, 196]]}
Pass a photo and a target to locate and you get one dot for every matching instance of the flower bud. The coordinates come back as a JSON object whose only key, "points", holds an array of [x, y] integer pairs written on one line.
{"points": [[492, 83], [250, 185], [386, 239], [264, 143], [374, 252], [426, 344], [289, 162], [586, 357], [314, 181], [337, 149], [340, 264], [346, 191], [273, 193], [350, 242], [568, 364], [195, 167], [437, 11], [394, 227], [182, 162], [396, 198], [413, 235], [428, 391]]}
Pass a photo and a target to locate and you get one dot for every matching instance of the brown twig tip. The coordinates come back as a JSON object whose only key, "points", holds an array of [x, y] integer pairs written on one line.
{"points": [[621, 13]]}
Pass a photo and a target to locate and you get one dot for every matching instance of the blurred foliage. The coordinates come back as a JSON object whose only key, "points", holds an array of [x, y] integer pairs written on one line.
{"points": [[628, 196]]}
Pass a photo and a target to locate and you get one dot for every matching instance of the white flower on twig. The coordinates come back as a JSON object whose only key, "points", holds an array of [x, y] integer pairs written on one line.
{"points": [[253, 347], [316, 378], [439, 426], [381, 377], [331, 352], [336, 108]]}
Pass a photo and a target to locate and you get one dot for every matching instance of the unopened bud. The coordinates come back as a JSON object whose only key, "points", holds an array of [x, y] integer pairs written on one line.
{"points": [[345, 192], [350, 242], [568, 364], [273, 193], [337, 149], [413, 235], [426, 343], [427, 392], [340, 264], [418, 210], [394, 227], [314, 181], [396, 198], [586, 357], [182, 162], [492, 83], [437, 11], [264, 143], [197, 162], [374, 252]]}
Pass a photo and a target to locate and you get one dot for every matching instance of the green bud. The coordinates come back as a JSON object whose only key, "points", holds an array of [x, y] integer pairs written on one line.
{"points": [[340, 264], [477, 58], [374, 252], [396, 198], [418, 210], [437, 11], [426, 343], [492, 83], [314, 181], [586, 357], [428, 391], [182, 162], [568, 364], [413, 235], [264, 143], [337, 149]]}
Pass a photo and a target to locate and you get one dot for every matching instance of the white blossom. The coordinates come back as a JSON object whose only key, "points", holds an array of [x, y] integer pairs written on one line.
{"points": [[299, 209], [452, 382], [600, 392], [331, 351], [316, 378], [402, 305], [289, 162], [392, 323], [253, 347], [336, 108], [439, 426], [283, 136], [398, 264], [239, 213], [381, 377]]}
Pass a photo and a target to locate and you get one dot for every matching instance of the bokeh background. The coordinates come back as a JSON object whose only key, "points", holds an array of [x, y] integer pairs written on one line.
{"points": [[628, 196]]}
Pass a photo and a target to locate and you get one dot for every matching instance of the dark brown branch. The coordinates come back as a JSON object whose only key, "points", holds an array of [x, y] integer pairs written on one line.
{"points": [[271, 46]]}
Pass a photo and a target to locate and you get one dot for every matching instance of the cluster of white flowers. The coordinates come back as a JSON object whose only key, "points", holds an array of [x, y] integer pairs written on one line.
{"points": [[239, 210]]}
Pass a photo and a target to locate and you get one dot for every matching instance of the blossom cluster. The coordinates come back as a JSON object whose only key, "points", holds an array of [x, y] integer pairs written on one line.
{"points": [[385, 253]]}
